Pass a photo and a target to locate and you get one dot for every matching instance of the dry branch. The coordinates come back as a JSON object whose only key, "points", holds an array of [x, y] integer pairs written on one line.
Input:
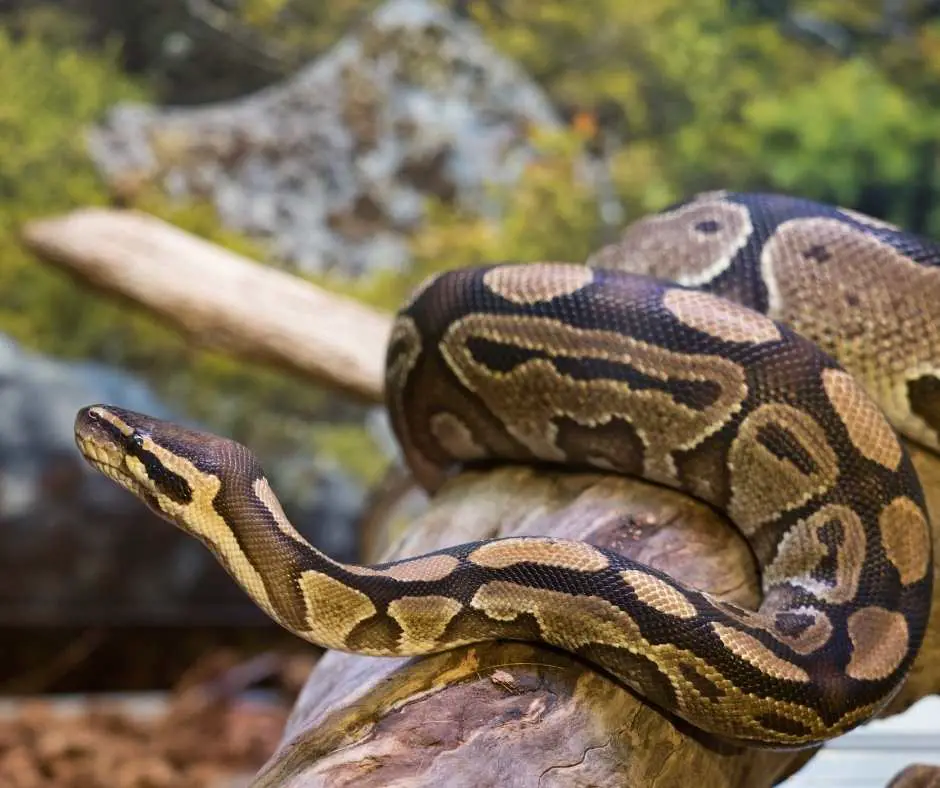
{"points": [[220, 299], [503, 714]]}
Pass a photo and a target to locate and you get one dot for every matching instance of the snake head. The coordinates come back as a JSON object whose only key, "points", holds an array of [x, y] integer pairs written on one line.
{"points": [[161, 463]]}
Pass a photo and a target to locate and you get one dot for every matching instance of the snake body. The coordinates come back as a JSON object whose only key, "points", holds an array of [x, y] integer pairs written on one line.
{"points": [[713, 349]]}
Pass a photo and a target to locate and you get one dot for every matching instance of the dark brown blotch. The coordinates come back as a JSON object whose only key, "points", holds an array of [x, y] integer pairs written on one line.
{"points": [[924, 396], [706, 687], [379, 631], [780, 442], [818, 253], [831, 534], [781, 724], [616, 443], [792, 625], [708, 227]]}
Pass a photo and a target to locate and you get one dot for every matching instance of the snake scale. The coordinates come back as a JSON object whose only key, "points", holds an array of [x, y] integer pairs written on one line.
{"points": [[752, 350]]}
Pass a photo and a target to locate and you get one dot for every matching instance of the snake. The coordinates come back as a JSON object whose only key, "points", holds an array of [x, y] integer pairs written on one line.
{"points": [[763, 353]]}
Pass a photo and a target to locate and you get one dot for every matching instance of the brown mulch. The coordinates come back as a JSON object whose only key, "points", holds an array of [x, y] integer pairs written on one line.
{"points": [[209, 733]]}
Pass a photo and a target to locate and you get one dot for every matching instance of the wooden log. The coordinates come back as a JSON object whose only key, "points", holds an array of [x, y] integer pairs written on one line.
{"points": [[220, 299], [517, 714]]}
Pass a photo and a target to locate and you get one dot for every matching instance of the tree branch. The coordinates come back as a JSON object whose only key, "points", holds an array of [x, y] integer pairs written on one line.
{"points": [[219, 299]]}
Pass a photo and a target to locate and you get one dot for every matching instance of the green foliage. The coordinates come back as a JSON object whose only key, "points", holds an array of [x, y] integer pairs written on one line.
{"points": [[52, 93], [303, 28], [865, 129]]}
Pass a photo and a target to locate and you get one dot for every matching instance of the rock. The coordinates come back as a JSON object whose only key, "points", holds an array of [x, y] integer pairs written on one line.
{"points": [[333, 166], [77, 550]]}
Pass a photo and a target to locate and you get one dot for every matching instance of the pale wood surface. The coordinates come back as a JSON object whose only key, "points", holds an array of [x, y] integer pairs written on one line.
{"points": [[220, 299]]}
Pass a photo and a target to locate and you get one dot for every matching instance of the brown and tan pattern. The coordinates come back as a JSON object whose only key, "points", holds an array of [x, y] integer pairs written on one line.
{"points": [[712, 231], [750, 649], [515, 283], [867, 428], [595, 621], [422, 619], [811, 629], [529, 399], [780, 459], [906, 548], [658, 594], [719, 392], [730, 322], [569, 555], [334, 608], [431, 567], [880, 642], [867, 303], [833, 534]]}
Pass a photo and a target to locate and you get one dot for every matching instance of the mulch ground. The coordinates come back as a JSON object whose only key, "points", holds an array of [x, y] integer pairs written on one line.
{"points": [[210, 731]]}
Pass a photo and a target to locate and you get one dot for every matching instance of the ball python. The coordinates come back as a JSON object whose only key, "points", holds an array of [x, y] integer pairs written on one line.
{"points": [[751, 350]]}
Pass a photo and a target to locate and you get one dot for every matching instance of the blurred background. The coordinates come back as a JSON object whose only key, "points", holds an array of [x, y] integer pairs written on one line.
{"points": [[360, 145]]}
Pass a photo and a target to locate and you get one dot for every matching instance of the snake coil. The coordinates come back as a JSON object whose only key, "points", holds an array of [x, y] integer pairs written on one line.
{"points": [[752, 350]]}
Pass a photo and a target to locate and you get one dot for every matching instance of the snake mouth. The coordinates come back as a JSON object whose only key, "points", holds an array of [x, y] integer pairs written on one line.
{"points": [[104, 442], [137, 452]]}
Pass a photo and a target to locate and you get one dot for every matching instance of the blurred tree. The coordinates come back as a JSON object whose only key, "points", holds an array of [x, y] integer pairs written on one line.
{"points": [[52, 89], [836, 101]]}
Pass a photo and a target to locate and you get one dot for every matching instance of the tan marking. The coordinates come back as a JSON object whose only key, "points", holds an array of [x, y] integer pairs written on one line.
{"points": [[533, 394], [869, 221], [455, 437], [867, 304], [423, 620], [880, 641], [503, 553], [201, 520], [425, 568], [565, 620], [658, 594], [262, 489], [763, 485], [333, 608], [868, 429], [534, 283], [801, 550], [905, 536], [113, 420], [752, 651], [572, 622], [669, 246], [720, 318]]}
